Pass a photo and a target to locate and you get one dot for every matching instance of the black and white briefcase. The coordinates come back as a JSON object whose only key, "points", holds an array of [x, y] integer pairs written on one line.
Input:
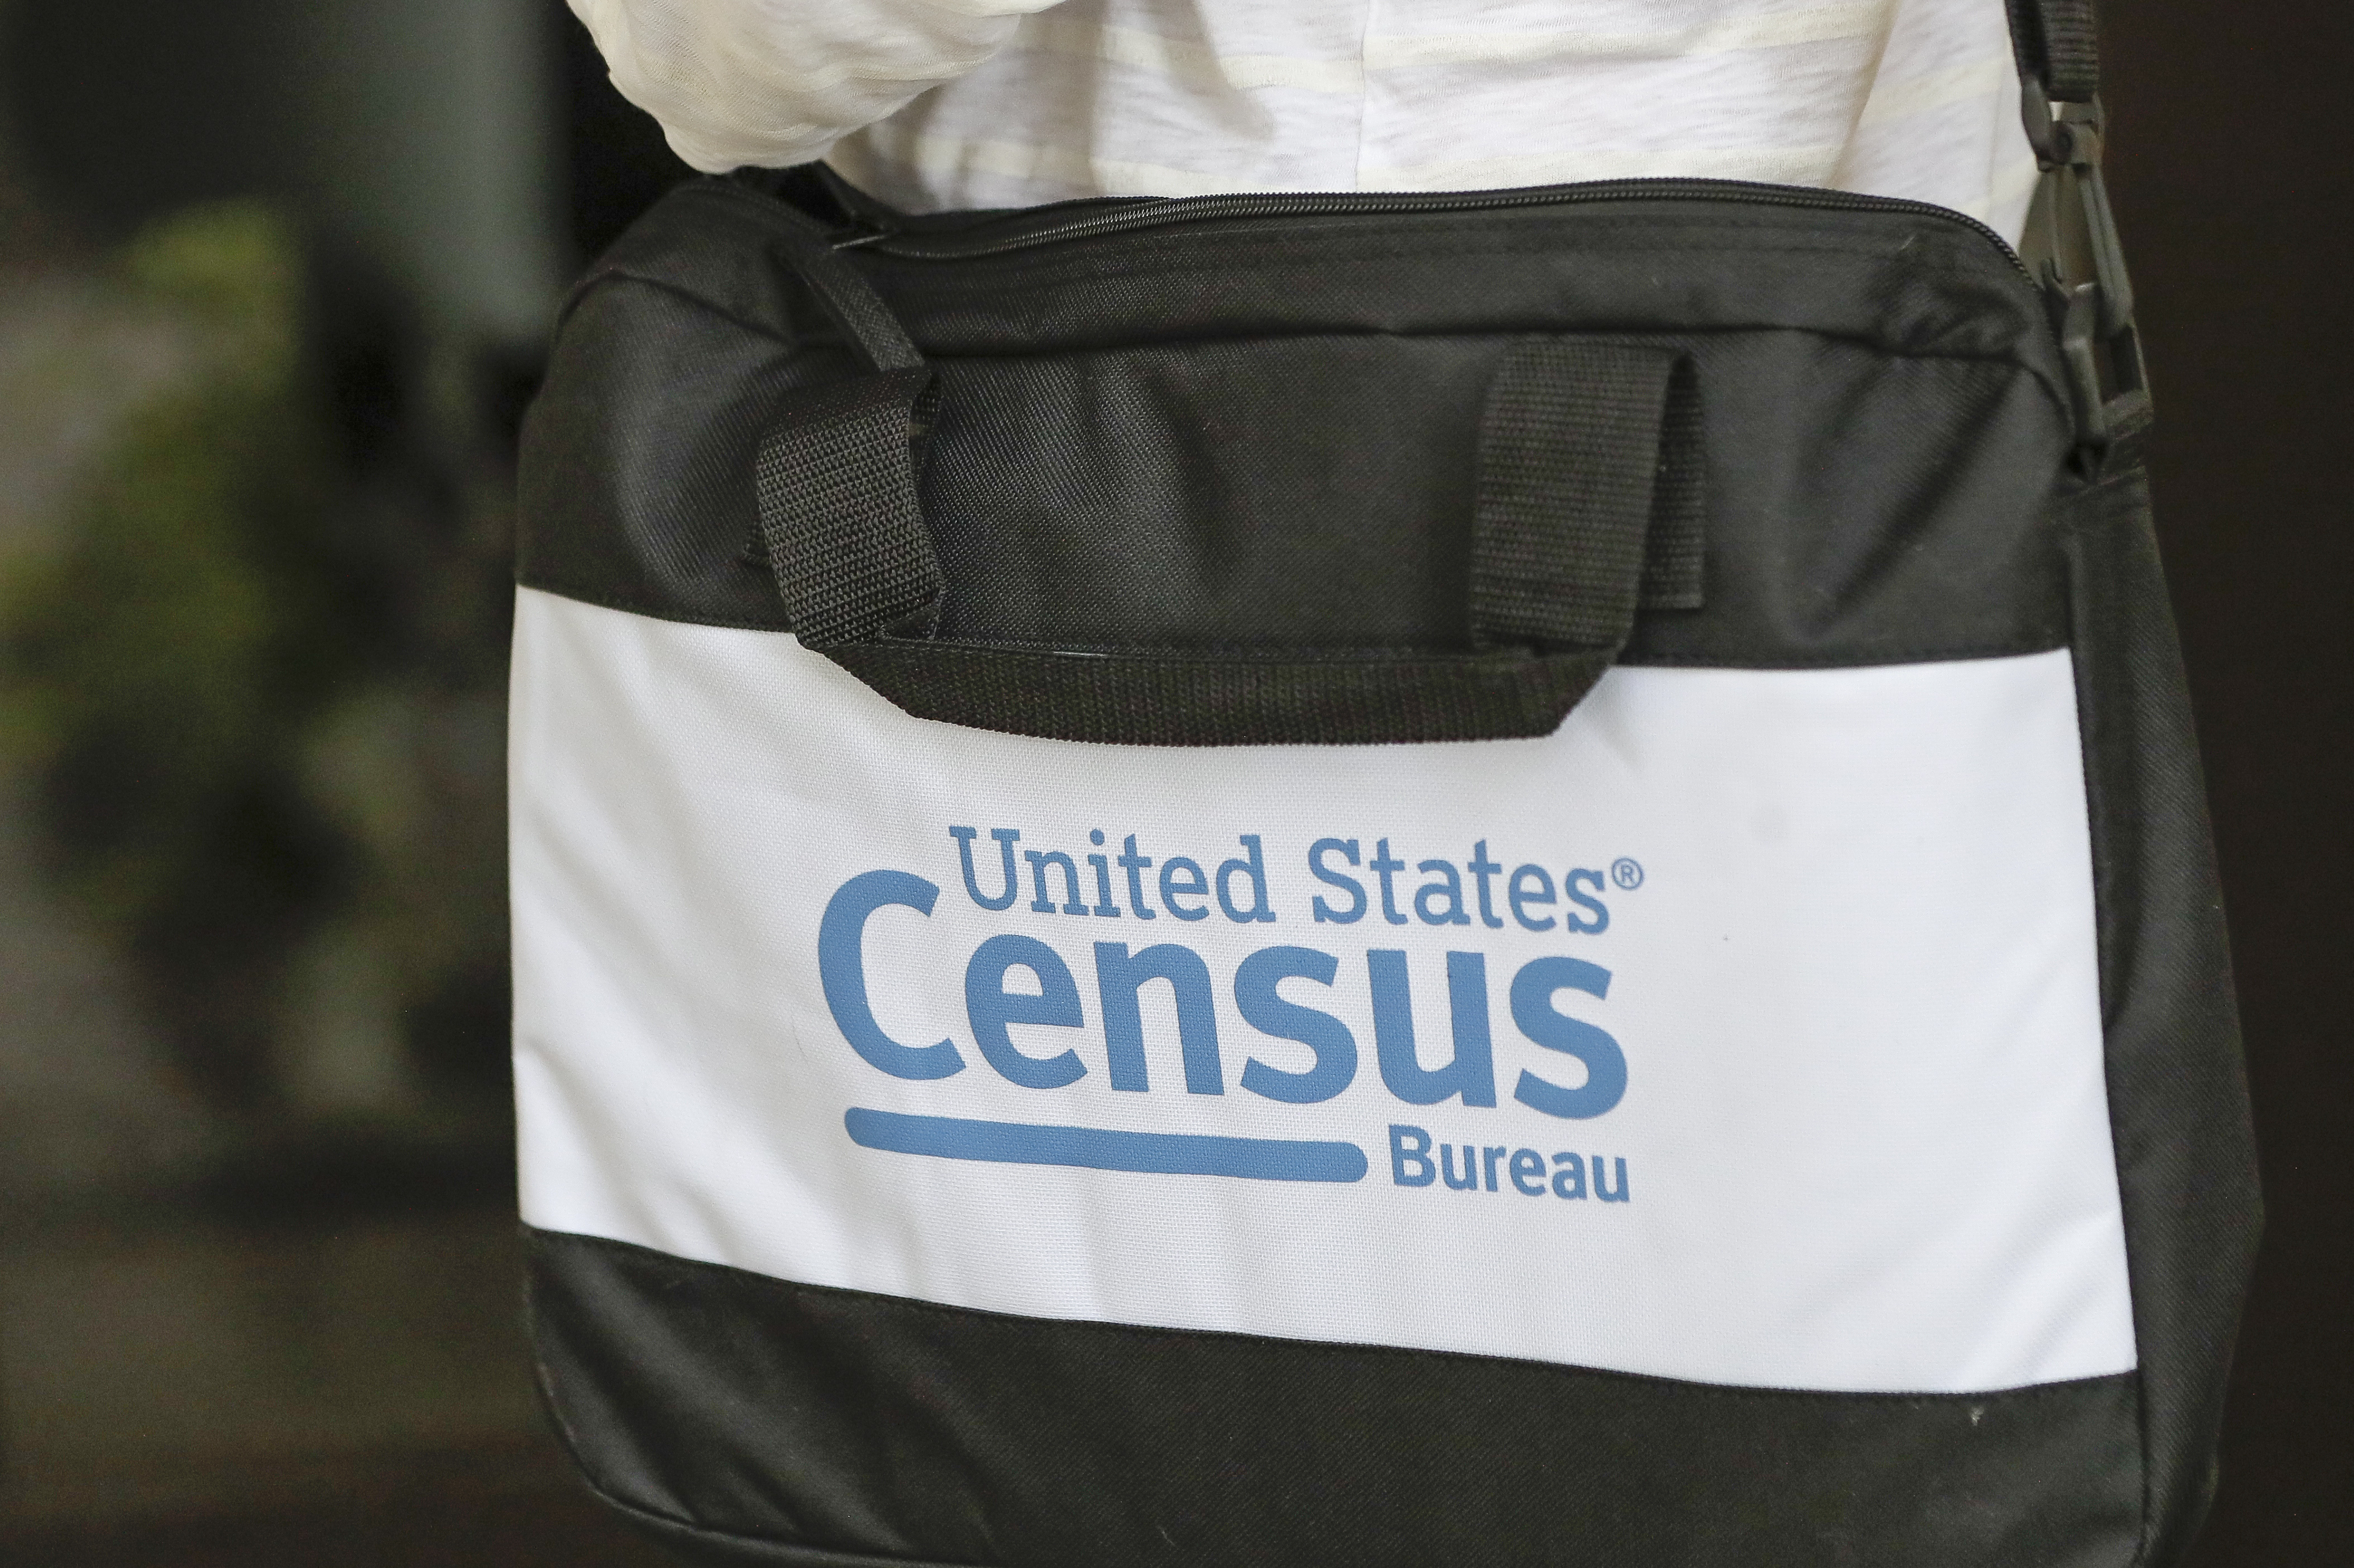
{"points": [[1494, 878]]}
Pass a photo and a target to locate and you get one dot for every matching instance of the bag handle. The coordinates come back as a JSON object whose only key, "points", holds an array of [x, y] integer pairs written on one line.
{"points": [[1590, 502]]}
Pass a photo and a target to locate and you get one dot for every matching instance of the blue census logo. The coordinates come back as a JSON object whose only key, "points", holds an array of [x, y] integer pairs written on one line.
{"points": [[1343, 886]]}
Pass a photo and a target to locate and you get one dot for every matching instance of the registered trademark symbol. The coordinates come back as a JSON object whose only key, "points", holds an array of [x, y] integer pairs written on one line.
{"points": [[1626, 873]]}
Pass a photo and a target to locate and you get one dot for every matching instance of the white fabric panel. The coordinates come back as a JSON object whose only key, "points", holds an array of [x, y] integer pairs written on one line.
{"points": [[1024, 101], [1864, 1126]]}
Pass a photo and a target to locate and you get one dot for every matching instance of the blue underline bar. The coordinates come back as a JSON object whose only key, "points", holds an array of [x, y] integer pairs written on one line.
{"points": [[1103, 1148]]}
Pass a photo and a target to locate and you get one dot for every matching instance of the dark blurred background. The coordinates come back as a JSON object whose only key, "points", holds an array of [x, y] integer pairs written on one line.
{"points": [[274, 276]]}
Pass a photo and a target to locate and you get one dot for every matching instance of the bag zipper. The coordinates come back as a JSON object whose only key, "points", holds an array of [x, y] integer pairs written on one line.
{"points": [[999, 234], [988, 237]]}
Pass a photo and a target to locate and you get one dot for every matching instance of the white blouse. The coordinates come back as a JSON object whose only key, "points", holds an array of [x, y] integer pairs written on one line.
{"points": [[935, 104]]}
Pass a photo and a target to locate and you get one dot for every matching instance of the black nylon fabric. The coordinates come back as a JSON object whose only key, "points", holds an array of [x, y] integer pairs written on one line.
{"points": [[774, 1415], [637, 489], [1333, 513], [2177, 1093]]}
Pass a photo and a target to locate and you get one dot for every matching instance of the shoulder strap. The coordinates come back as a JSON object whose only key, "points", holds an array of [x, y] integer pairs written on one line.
{"points": [[2057, 46]]}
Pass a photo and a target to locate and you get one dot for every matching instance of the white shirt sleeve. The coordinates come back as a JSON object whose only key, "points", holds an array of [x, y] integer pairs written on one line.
{"points": [[773, 82]]}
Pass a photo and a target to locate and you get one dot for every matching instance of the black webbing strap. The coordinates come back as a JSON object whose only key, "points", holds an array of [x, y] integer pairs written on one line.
{"points": [[2058, 47], [1179, 697], [1579, 514], [1677, 552], [839, 514], [1589, 452], [836, 473], [881, 341]]}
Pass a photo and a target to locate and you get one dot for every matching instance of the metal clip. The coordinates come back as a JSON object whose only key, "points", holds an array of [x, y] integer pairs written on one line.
{"points": [[2071, 246]]}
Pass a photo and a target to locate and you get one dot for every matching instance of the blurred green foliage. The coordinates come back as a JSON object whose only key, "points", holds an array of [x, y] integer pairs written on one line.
{"points": [[168, 641], [259, 699]]}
